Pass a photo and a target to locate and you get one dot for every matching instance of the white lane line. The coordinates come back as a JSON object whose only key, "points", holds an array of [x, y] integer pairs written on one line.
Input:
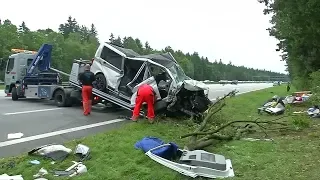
{"points": [[215, 90], [25, 112], [55, 133]]}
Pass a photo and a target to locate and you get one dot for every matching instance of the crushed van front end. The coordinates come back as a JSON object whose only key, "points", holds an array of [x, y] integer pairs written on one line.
{"points": [[190, 98]]}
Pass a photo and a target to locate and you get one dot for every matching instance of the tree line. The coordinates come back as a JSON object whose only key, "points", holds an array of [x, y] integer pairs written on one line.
{"points": [[74, 41], [295, 24]]}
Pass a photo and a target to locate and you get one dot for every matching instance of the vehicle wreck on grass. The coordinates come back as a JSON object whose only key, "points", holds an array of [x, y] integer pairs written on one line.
{"points": [[121, 71]]}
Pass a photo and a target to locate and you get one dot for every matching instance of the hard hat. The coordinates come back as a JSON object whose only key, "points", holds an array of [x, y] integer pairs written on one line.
{"points": [[87, 67]]}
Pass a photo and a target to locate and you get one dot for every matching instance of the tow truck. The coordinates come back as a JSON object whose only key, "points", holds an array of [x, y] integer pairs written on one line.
{"points": [[29, 75]]}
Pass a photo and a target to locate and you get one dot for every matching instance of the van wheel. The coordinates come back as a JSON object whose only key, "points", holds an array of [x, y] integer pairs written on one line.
{"points": [[60, 98], [101, 82], [14, 94]]}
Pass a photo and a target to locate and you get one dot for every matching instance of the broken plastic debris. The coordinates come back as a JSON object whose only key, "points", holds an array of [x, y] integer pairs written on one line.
{"points": [[254, 139], [15, 135], [55, 152], [299, 112], [35, 162], [7, 177], [75, 169], [80, 169], [41, 172], [82, 151], [193, 165]]}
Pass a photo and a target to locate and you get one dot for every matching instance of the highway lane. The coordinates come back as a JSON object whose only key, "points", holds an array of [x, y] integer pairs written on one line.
{"points": [[42, 122], [218, 90]]}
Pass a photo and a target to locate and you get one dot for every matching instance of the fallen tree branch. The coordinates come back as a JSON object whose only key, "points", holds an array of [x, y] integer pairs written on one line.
{"points": [[211, 132], [211, 111], [228, 124]]}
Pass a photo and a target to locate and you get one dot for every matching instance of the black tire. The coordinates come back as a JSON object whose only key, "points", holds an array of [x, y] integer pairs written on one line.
{"points": [[14, 94], [60, 98], [101, 82]]}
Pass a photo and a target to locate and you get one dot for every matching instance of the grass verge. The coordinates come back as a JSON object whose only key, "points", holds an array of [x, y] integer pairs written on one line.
{"points": [[2, 87], [290, 156]]}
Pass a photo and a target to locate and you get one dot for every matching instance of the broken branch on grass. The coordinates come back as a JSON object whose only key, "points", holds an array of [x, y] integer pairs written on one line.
{"points": [[228, 124], [213, 134], [210, 112]]}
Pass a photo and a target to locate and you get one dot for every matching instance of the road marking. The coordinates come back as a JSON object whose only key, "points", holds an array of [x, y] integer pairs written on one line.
{"points": [[55, 133], [25, 112], [216, 90]]}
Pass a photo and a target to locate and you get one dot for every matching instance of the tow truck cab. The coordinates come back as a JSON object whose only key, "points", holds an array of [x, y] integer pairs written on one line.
{"points": [[17, 65]]}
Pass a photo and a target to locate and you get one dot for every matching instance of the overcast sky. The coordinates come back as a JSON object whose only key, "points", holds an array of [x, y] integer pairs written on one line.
{"points": [[231, 30]]}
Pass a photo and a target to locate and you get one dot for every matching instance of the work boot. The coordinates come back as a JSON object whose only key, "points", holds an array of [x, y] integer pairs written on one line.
{"points": [[134, 119], [151, 120]]}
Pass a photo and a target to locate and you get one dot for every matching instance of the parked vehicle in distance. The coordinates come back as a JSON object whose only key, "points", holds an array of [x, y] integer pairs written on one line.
{"points": [[234, 82], [223, 82], [276, 83]]}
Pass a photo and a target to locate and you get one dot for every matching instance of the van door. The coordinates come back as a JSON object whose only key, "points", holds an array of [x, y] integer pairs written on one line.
{"points": [[111, 65], [152, 82]]}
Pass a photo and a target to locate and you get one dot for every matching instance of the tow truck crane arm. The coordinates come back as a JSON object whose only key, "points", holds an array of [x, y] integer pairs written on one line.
{"points": [[44, 56]]}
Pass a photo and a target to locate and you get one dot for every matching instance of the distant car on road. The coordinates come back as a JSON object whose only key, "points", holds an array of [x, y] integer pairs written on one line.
{"points": [[223, 82], [234, 82], [276, 83]]}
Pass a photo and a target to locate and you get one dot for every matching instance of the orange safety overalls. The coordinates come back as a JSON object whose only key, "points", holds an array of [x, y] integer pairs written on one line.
{"points": [[86, 99], [146, 94]]}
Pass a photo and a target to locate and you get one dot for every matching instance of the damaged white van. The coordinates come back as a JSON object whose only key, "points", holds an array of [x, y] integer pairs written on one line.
{"points": [[121, 71]]}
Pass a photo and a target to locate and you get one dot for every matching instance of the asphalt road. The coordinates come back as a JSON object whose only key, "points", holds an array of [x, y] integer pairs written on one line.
{"points": [[42, 122], [217, 90]]}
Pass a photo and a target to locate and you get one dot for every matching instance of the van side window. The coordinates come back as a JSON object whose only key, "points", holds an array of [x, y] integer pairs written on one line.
{"points": [[29, 61], [10, 65], [111, 57]]}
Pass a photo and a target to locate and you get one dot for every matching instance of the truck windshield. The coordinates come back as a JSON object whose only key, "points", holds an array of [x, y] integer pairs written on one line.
{"points": [[10, 65]]}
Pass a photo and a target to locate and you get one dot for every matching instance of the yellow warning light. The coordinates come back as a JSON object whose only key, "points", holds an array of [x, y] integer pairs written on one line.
{"points": [[23, 51]]}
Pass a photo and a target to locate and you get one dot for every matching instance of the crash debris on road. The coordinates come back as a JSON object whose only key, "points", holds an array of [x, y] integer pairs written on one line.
{"points": [[15, 135]]}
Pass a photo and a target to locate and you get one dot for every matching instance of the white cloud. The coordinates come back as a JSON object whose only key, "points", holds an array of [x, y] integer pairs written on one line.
{"points": [[232, 30]]}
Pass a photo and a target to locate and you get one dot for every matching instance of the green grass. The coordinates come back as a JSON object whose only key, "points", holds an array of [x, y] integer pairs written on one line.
{"points": [[291, 156], [2, 86]]}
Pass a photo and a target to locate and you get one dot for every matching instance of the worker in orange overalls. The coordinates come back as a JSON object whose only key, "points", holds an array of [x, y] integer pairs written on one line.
{"points": [[87, 78], [146, 94]]}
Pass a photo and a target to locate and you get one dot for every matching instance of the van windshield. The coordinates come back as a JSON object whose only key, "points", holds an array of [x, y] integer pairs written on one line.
{"points": [[178, 73], [10, 65]]}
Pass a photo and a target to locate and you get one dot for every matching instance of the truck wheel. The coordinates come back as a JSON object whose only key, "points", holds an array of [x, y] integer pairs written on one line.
{"points": [[14, 94], [101, 82], [60, 98]]}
